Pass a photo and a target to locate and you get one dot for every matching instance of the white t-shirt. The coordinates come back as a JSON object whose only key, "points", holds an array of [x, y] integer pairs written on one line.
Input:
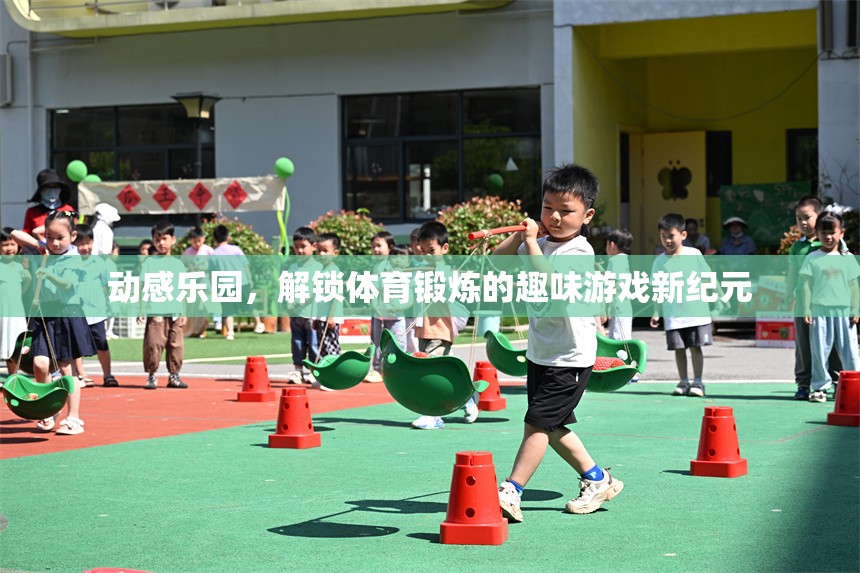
{"points": [[686, 313], [562, 341]]}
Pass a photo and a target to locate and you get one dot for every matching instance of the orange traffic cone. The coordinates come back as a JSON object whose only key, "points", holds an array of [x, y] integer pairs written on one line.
{"points": [[847, 409], [255, 387], [719, 451], [474, 515], [490, 399], [295, 429]]}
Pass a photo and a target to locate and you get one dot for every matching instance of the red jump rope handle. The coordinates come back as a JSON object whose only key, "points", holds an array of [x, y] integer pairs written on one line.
{"points": [[496, 231]]}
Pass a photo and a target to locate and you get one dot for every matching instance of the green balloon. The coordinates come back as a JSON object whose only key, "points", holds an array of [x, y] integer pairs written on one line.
{"points": [[284, 167], [92, 178], [495, 182], [76, 170]]}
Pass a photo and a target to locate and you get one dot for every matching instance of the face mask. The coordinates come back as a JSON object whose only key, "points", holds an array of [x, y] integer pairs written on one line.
{"points": [[51, 198], [738, 235]]}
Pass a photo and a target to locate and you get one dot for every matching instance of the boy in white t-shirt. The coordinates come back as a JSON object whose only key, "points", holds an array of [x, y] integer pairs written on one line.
{"points": [[561, 351], [687, 323]]}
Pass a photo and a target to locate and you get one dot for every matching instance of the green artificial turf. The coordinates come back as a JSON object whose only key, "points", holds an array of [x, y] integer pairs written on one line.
{"points": [[371, 498]]}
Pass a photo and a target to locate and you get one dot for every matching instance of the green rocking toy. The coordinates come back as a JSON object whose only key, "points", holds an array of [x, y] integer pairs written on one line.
{"points": [[618, 361], [342, 371], [34, 401], [432, 386]]}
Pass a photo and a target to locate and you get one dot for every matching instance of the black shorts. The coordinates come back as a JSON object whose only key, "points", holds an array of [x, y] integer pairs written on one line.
{"points": [[688, 337], [553, 393], [99, 333]]}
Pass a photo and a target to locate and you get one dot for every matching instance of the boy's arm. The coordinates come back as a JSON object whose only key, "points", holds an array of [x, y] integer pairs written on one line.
{"points": [[805, 301], [25, 239], [855, 301], [510, 245]]}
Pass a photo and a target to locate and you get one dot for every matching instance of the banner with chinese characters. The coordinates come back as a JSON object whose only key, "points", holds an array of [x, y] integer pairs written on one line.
{"points": [[185, 195], [562, 286]]}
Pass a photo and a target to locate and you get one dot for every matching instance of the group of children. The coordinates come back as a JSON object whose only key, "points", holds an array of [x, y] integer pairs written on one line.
{"points": [[561, 350], [315, 329]]}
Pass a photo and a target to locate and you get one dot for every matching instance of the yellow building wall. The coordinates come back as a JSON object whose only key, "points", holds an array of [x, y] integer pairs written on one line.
{"points": [[734, 83], [600, 109]]}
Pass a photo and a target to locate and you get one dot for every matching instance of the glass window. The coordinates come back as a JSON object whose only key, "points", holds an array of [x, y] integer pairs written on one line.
{"points": [[432, 178], [373, 180], [152, 142], [402, 115], [79, 128], [507, 167], [502, 111], [454, 146], [154, 125], [802, 150]]}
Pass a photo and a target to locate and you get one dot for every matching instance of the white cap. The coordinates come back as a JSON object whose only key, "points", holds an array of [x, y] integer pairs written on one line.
{"points": [[731, 220], [107, 213]]}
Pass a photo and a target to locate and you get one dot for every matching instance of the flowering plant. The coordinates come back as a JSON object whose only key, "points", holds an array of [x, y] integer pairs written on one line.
{"points": [[355, 229], [477, 214]]}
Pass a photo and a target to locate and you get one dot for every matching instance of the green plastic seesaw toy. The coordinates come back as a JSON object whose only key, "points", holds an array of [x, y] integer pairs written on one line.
{"points": [[432, 386], [618, 361], [504, 356], [342, 371], [34, 401]]}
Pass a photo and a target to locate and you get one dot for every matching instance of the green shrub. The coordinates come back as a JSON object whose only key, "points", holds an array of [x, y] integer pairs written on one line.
{"points": [[477, 214], [354, 228]]}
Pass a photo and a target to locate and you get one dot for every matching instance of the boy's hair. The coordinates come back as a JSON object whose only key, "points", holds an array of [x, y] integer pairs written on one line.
{"points": [[413, 236], [221, 234], [335, 240], [572, 179], [691, 221], [6, 234], [809, 201], [671, 221], [196, 233], [622, 238], [399, 250], [828, 222], [305, 234], [145, 242], [433, 231], [85, 233], [387, 237], [163, 227]]}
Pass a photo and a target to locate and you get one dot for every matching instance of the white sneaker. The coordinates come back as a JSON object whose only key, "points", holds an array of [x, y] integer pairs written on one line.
{"points": [[231, 337], [316, 385], [697, 389], [373, 377], [71, 426], [682, 389], [46, 425], [470, 410], [509, 500], [428, 423], [592, 493], [295, 377], [260, 328]]}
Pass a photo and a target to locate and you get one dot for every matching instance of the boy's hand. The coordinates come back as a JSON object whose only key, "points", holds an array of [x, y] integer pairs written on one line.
{"points": [[180, 322], [855, 319], [141, 319], [807, 320], [655, 322], [532, 229]]}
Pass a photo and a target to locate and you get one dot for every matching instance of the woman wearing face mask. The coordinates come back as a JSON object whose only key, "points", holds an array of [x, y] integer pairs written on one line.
{"points": [[737, 242], [52, 193]]}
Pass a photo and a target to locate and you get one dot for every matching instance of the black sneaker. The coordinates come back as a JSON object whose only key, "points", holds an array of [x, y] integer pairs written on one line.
{"points": [[151, 383], [175, 382], [802, 393], [110, 382]]}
